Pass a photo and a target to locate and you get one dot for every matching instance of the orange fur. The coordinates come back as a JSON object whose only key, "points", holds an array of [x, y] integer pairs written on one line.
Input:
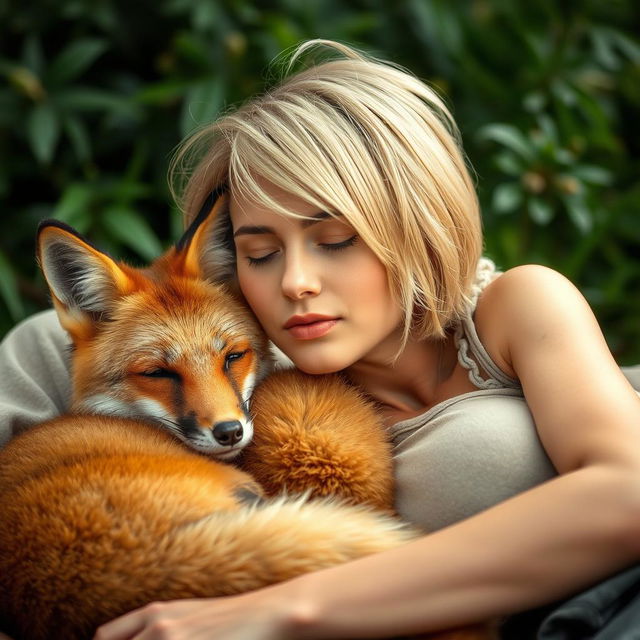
{"points": [[340, 448], [104, 513]]}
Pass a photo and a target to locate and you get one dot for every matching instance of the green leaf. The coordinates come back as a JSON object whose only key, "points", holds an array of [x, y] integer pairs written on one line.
{"points": [[43, 131], [133, 231], [540, 211], [564, 92], [176, 223], [162, 92], [88, 99], [534, 102], [74, 60], [603, 50], [206, 15], [510, 137], [425, 18], [127, 190], [506, 197], [548, 126], [9, 289], [74, 207], [79, 137], [190, 47], [592, 174], [510, 245], [509, 164], [32, 55], [564, 156], [579, 214], [202, 104], [630, 48]]}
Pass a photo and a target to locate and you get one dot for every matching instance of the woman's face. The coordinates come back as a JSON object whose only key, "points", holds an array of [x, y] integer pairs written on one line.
{"points": [[320, 293]]}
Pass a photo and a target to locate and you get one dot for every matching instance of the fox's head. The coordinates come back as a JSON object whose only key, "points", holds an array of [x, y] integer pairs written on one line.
{"points": [[167, 343]]}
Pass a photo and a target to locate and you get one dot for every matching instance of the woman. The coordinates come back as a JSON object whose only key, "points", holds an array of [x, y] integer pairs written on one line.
{"points": [[354, 234]]}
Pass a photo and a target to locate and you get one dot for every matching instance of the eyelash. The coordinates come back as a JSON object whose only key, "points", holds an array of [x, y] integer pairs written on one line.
{"points": [[331, 247]]}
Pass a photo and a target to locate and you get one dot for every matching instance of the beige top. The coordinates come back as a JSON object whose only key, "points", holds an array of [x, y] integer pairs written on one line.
{"points": [[472, 451]]}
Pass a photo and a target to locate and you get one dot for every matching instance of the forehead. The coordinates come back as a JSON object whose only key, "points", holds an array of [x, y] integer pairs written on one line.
{"points": [[244, 207]]}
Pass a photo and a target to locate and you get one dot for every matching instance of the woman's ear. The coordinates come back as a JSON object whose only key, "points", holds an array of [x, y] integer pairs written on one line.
{"points": [[206, 247], [84, 282]]}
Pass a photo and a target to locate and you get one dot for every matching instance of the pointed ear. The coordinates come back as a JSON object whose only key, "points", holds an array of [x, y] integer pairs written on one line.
{"points": [[84, 282], [206, 249]]}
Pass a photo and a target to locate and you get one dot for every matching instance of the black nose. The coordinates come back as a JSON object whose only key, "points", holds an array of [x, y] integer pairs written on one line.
{"points": [[228, 433]]}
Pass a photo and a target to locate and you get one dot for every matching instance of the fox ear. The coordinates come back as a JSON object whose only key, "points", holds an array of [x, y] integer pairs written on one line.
{"points": [[206, 247], [84, 282]]}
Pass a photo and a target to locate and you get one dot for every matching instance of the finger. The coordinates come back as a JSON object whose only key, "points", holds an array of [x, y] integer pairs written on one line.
{"points": [[122, 628]]}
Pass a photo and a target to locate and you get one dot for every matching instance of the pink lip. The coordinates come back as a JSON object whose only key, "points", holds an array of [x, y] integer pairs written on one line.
{"points": [[310, 326]]}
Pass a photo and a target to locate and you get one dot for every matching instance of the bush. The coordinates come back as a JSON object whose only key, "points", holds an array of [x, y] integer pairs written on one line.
{"points": [[98, 93]]}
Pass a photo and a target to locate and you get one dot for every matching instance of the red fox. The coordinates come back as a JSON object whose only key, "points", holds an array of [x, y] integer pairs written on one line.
{"points": [[132, 497]]}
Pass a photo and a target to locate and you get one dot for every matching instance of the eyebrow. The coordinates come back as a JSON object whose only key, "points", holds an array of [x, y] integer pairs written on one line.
{"points": [[258, 230]]}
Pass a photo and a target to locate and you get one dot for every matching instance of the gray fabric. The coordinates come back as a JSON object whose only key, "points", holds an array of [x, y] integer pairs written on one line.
{"points": [[482, 370], [633, 376], [609, 610], [468, 453], [34, 374], [475, 450], [465, 455], [472, 451]]}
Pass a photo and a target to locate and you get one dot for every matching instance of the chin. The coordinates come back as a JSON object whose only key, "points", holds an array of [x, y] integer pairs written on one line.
{"points": [[317, 370], [318, 366]]}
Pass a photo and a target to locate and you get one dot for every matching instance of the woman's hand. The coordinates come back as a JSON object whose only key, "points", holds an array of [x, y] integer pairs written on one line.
{"points": [[249, 616]]}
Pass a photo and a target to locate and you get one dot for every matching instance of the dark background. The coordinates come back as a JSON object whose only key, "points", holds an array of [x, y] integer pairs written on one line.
{"points": [[95, 95]]}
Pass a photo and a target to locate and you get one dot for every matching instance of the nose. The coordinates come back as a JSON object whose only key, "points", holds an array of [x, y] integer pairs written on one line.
{"points": [[300, 277], [228, 433]]}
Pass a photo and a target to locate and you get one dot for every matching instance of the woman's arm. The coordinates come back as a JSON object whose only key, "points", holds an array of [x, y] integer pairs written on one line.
{"points": [[529, 550], [34, 374], [547, 542], [532, 549]]}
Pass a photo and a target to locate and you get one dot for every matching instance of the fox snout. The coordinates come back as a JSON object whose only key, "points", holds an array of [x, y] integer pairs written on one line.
{"points": [[228, 433], [223, 439]]}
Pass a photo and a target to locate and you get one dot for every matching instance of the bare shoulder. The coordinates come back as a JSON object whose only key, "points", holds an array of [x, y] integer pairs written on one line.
{"points": [[540, 329], [526, 304]]}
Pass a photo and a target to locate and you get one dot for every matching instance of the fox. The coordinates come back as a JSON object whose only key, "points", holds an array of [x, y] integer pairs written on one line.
{"points": [[186, 466]]}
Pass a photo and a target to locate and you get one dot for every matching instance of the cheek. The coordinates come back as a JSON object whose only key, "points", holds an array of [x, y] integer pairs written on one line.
{"points": [[257, 294], [368, 283]]}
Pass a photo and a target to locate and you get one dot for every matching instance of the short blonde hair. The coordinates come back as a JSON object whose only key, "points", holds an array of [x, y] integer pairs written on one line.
{"points": [[369, 141]]}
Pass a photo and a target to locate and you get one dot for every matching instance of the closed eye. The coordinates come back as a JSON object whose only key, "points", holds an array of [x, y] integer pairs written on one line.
{"points": [[336, 246], [261, 260], [326, 246], [160, 372]]}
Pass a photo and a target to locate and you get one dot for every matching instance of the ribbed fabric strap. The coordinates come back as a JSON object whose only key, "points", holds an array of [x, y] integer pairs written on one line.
{"points": [[471, 353]]}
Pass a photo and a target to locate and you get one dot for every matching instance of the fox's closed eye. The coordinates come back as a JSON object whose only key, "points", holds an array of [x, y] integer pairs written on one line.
{"points": [[160, 372]]}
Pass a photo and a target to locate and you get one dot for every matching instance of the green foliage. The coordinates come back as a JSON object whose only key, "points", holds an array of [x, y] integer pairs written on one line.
{"points": [[96, 94]]}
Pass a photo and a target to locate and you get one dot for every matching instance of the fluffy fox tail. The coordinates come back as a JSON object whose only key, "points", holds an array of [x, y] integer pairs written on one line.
{"points": [[224, 553]]}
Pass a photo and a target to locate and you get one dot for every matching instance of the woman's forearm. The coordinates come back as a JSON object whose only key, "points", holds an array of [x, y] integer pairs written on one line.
{"points": [[530, 550]]}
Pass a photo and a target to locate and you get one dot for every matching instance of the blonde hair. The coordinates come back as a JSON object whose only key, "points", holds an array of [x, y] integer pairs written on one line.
{"points": [[364, 139]]}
